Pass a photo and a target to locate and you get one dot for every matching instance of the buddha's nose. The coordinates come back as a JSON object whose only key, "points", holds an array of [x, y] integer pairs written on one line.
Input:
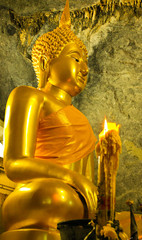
{"points": [[83, 68]]}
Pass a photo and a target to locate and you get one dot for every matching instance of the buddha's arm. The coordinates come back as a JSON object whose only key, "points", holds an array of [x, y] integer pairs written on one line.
{"points": [[23, 112]]}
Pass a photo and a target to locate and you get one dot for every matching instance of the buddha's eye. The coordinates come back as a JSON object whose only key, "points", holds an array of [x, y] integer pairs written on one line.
{"points": [[76, 59]]}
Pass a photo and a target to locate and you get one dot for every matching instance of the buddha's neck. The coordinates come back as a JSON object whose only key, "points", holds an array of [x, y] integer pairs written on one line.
{"points": [[58, 93]]}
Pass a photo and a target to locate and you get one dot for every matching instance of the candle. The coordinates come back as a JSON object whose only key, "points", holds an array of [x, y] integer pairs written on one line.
{"points": [[108, 126], [107, 150]]}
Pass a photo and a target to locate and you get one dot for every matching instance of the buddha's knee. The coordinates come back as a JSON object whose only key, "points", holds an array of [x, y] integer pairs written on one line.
{"points": [[42, 203]]}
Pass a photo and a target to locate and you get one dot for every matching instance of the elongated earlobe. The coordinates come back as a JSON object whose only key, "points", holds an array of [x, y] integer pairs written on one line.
{"points": [[43, 63], [44, 71]]}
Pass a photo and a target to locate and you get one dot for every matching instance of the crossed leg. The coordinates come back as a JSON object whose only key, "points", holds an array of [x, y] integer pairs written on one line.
{"points": [[41, 204]]}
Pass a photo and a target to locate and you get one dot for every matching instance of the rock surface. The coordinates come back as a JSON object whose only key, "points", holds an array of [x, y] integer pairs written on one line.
{"points": [[114, 84], [26, 7]]}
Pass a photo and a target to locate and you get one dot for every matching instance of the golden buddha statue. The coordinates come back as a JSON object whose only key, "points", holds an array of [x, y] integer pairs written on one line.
{"points": [[49, 144]]}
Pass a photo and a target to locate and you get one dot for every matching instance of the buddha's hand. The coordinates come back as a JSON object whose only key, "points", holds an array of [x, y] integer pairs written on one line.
{"points": [[88, 190], [109, 232]]}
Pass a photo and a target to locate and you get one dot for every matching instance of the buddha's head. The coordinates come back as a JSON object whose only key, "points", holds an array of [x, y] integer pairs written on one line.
{"points": [[59, 57]]}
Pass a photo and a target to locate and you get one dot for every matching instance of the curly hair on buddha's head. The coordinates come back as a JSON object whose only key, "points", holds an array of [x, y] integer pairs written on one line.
{"points": [[50, 45]]}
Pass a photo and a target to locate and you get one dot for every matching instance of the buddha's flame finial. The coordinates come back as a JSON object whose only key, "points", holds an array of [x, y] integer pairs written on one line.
{"points": [[65, 19]]}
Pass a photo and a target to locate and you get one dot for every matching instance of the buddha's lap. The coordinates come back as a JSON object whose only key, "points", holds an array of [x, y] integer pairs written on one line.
{"points": [[43, 203]]}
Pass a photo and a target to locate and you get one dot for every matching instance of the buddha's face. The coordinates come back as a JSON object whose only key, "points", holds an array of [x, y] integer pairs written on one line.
{"points": [[69, 71]]}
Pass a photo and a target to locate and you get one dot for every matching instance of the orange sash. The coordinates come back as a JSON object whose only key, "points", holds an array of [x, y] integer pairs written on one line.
{"points": [[64, 137]]}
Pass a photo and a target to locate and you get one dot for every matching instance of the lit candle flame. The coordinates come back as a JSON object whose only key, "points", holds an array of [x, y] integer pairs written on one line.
{"points": [[108, 126], [105, 127]]}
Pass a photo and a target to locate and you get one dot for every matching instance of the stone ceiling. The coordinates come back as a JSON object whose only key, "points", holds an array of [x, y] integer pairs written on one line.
{"points": [[26, 7]]}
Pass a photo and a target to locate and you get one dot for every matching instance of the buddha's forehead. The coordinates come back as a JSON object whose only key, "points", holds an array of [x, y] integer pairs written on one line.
{"points": [[74, 48]]}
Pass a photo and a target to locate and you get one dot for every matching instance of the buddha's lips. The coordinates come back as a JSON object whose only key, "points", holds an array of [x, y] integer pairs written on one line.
{"points": [[81, 79]]}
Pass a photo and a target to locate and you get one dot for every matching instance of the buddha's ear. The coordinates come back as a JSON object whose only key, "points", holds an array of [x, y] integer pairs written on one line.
{"points": [[43, 63], [44, 71]]}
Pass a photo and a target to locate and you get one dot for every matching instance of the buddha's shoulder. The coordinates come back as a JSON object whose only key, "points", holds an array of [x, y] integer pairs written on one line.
{"points": [[26, 92]]}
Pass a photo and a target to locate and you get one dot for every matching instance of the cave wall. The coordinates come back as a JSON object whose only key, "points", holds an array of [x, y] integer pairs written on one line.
{"points": [[112, 33]]}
